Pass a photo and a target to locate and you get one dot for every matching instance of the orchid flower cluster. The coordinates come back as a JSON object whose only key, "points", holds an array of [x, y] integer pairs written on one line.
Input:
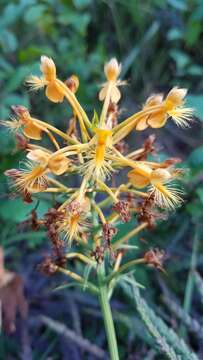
{"points": [[95, 151]]}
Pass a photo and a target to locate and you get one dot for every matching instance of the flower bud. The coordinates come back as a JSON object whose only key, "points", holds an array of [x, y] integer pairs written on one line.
{"points": [[21, 111], [21, 142], [112, 70], [72, 83]]}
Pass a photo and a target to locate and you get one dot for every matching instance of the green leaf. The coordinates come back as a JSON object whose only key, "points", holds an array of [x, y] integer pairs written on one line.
{"points": [[81, 4], [194, 209], [17, 78], [67, 286], [10, 15], [199, 192], [195, 70], [181, 58], [123, 229], [178, 4], [16, 210], [174, 34], [86, 275], [78, 21], [8, 41], [193, 31], [95, 120], [34, 13], [33, 52], [128, 247], [130, 280], [196, 102], [195, 159]]}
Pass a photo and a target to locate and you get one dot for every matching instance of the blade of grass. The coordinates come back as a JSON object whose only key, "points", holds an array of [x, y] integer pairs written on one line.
{"points": [[190, 279]]}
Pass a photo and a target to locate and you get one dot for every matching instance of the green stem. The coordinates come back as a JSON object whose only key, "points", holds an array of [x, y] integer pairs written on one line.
{"points": [[107, 315], [123, 268]]}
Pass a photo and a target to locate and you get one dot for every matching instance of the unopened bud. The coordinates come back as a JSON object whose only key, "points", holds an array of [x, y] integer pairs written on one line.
{"points": [[72, 83], [20, 111], [112, 70], [21, 142]]}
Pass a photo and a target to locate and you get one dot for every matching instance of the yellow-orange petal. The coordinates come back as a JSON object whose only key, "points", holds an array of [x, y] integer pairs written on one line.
{"points": [[103, 135], [32, 131], [48, 68], [176, 96], [157, 120], [54, 93], [32, 180], [58, 164], [154, 100], [137, 180], [102, 93], [115, 94], [142, 124], [39, 156]]}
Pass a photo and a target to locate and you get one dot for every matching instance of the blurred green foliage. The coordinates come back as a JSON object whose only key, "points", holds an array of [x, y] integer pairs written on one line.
{"points": [[159, 43]]}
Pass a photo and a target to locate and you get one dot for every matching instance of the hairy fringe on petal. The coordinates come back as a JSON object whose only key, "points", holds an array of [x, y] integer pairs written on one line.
{"points": [[101, 172], [12, 125], [32, 178], [166, 196], [35, 83], [182, 116]]}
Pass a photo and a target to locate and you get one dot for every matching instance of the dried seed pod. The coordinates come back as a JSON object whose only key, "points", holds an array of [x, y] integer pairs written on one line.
{"points": [[155, 257], [123, 209]]}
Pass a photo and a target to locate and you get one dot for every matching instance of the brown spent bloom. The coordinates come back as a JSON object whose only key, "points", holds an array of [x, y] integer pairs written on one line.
{"points": [[48, 267], [147, 213], [123, 209], [57, 257], [52, 217], [148, 148], [112, 115], [122, 147], [155, 258], [170, 162], [72, 128], [27, 198], [109, 232], [98, 254], [34, 221]]}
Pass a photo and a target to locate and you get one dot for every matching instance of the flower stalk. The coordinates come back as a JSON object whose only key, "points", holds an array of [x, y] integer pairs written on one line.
{"points": [[107, 314]]}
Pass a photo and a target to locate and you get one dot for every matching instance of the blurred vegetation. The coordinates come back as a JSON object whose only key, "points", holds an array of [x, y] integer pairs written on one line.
{"points": [[159, 43]]}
